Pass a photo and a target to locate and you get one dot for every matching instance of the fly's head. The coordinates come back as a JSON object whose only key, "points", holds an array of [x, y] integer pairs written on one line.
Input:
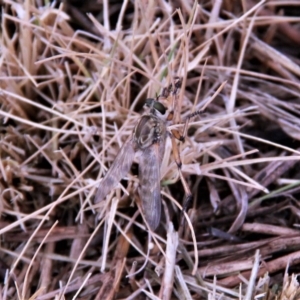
{"points": [[156, 108], [166, 104]]}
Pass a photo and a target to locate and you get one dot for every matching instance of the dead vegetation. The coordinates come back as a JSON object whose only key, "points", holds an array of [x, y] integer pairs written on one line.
{"points": [[73, 82]]}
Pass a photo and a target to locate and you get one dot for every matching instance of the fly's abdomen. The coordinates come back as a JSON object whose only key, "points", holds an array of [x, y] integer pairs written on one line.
{"points": [[149, 189]]}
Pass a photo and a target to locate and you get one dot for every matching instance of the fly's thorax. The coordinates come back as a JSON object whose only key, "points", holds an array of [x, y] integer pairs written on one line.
{"points": [[149, 130]]}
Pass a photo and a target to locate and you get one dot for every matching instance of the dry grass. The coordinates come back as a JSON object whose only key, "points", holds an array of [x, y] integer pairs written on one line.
{"points": [[72, 88]]}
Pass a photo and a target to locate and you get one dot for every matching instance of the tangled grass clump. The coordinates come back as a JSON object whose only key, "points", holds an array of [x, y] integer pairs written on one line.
{"points": [[74, 78]]}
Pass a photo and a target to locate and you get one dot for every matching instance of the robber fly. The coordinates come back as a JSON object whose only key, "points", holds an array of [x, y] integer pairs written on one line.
{"points": [[148, 140]]}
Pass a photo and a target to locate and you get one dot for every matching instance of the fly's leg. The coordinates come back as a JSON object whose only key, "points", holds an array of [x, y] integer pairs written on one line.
{"points": [[175, 134], [187, 191], [173, 88]]}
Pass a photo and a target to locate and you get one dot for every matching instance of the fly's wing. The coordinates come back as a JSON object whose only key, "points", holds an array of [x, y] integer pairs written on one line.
{"points": [[149, 190], [117, 171]]}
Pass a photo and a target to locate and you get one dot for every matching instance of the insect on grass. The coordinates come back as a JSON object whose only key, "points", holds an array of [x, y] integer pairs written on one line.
{"points": [[148, 141]]}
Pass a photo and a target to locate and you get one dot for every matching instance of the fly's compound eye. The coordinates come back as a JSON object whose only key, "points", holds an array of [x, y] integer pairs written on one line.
{"points": [[150, 102]]}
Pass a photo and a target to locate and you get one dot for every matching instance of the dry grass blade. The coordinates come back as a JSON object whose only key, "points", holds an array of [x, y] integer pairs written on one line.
{"points": [[74, 78]]}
